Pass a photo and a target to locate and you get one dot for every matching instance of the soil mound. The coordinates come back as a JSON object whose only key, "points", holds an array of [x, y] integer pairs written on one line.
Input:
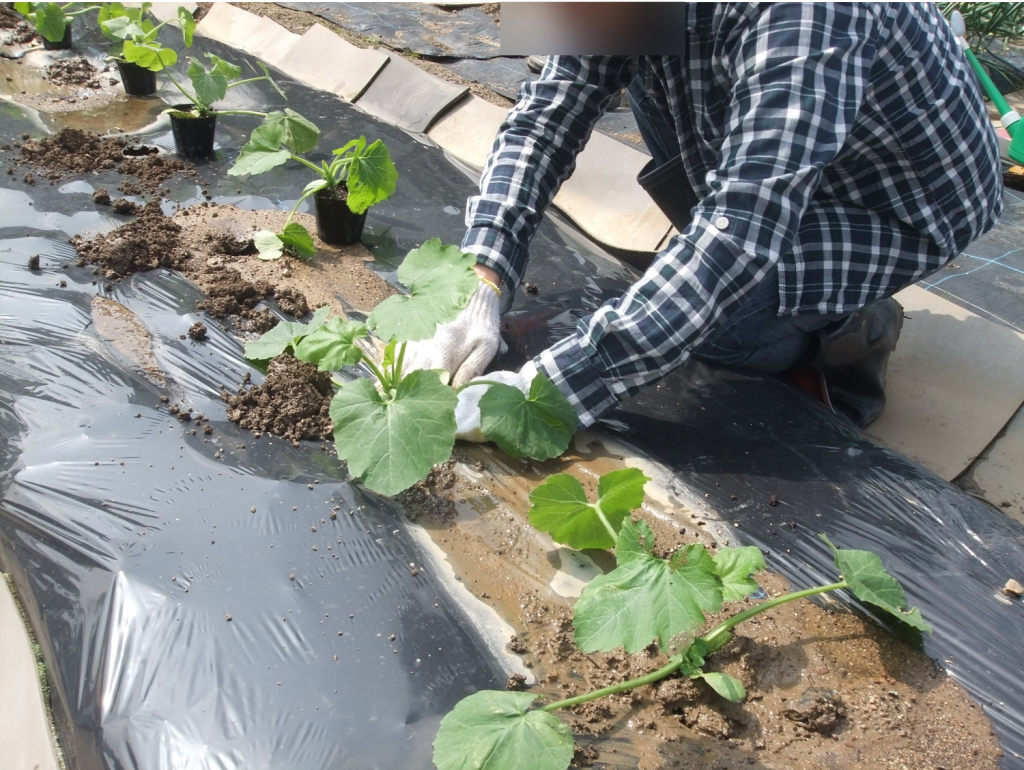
{"points": [[292, 402], [73, 72], [151, 241], [71, 151]]}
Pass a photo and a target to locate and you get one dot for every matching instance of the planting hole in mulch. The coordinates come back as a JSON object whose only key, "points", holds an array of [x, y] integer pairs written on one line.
{"points": [[73, 72], [74, 152], [826, 689]]}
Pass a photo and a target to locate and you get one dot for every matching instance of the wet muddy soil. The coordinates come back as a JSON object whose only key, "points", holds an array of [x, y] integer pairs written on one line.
{"points": [[826, 689], [293, 401], [73, 72], [74, 152]]}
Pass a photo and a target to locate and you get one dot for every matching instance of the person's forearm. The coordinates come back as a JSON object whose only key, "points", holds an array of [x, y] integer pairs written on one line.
{"points": [[487, 274]]}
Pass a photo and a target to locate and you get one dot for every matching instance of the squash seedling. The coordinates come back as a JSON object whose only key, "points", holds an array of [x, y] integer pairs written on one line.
{"points": [[644, 599], [391, 429], [359, 176], [138, 54], [52, 21], [195, 121]]}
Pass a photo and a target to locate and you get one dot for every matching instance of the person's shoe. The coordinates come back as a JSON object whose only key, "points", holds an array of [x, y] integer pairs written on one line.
{"points": [[536, 63], [854, 359]]}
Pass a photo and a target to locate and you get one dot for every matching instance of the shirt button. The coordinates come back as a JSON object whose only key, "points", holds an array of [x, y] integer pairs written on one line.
{"points": [[722, 222]]}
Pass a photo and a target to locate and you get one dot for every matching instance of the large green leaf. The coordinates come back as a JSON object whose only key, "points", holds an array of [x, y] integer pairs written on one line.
{"points": [[224, 68], [493, 730], [539, 426], [735, 566], [122, 28], [287, 334], [440, 280], [262, 152], [187, 23], [869, 581], [298, 237], [297, 133], [268, 245], [333, 345], [371, 177], [150, 56], [390, 445], [210, 85], [646, 599], [51, 22], [560, 507]]}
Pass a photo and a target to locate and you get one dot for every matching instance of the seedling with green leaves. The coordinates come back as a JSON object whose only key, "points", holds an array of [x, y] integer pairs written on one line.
{"points": [[360, 174], [136, 35], [51, 20], [646, 599], [392, 429]]}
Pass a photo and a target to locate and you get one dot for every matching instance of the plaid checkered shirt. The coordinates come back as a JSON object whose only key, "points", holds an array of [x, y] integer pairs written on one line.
{"points": [[848, 145]]}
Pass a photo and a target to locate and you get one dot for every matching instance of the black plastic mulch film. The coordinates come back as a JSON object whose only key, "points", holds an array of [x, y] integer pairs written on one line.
{"points": [[148, 675]]}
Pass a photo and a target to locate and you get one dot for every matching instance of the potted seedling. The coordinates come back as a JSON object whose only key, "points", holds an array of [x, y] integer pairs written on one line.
{"points": [[194, 123], [138, 55], [645, 600], [52, 21], [393, 427], [359, 176]]}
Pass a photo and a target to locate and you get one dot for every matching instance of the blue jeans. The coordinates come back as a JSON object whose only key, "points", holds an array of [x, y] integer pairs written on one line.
{"points": [[753, 337]]}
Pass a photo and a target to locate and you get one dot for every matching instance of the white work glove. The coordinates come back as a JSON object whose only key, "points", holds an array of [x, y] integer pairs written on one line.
{"points": [[467, 411], [463, 347]]}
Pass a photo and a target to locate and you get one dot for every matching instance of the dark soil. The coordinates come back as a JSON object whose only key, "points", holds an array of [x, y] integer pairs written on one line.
{"points": [[74, 152], [73, 72], [229, 294], [9, 18], [101, 197], [293, 401], [292, 302], [125, 206], [151, 241], [197, 331], [20, 31]]}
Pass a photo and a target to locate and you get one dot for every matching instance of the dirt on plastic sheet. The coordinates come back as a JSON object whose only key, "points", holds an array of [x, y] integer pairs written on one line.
{"points": [[826, 688], [19, 32], [73, 152], [293, 401], [73, 72]]}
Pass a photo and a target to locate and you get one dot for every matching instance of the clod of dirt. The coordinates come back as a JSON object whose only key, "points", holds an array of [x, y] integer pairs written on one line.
{"points": [[818, 709], [72, 72], [148, 242], [71, 151], [1012, 587], [20, 31], [531, 288], [125, 206], [230, 294], [515, 682], [292, 302], [33, 262], [101, 197], [293, 401], [427, 498], [197, 331]]}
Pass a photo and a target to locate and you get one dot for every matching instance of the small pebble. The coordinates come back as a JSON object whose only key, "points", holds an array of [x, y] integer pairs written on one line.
{"points": [[1013, 588]]}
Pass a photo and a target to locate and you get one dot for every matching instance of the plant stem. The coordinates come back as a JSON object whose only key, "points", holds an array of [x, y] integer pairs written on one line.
{"points": [[304, 162], [191, 98], [600, 514], [398, 364], [242, 112], [708, 638], [376, 371], [243, 82], [735, 620], [654, 676]]}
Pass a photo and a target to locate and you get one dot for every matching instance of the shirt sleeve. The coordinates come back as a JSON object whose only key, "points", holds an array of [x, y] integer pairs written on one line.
{"points": [[534, 152], [798, 75]]}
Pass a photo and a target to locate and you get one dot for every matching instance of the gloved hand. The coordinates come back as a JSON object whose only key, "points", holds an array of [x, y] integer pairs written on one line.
{"points": [[467, 411], [465, 346]]}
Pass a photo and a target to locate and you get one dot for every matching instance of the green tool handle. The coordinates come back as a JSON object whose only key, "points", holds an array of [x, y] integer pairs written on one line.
{"points": [[990, 88]]}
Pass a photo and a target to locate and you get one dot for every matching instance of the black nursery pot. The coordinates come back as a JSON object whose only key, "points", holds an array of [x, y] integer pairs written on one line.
{"points": [[193, 137], [335, 222], [137, 81], [60, 45]]}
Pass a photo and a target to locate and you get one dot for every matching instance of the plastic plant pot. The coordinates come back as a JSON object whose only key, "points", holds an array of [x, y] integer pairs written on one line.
{"points": [[193, 137], [335, 222], [59, 45], [137, 81]]}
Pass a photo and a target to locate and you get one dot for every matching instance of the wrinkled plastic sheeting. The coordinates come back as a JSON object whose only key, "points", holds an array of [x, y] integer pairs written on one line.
{"points": [[423, 28], [146, 675]]}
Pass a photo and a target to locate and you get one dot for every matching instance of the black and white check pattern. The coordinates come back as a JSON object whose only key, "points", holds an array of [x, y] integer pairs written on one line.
{"points": [[847, 144]]}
